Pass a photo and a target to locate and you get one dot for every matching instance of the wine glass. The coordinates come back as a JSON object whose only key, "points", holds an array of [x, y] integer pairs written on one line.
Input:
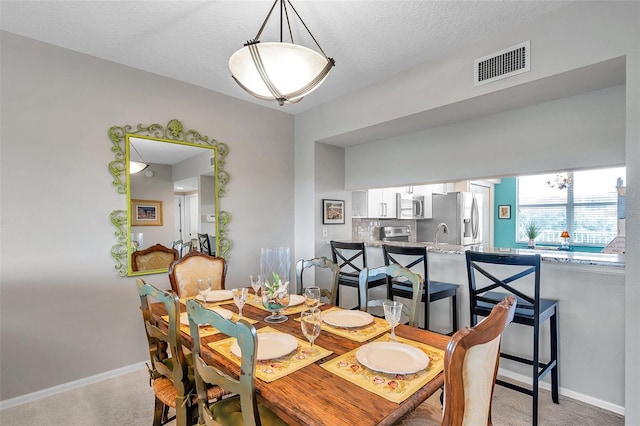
{"points": [[240, 298], [312, 297], [203, 288], [275, 298], [311, 323], [256, 282], [392, 313]]}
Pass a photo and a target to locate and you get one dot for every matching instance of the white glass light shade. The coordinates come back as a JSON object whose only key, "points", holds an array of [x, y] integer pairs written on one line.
{"points": [[136, 167], [289, 67]]}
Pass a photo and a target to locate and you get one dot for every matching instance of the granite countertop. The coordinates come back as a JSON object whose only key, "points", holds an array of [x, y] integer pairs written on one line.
{"points": [[547, 255]]}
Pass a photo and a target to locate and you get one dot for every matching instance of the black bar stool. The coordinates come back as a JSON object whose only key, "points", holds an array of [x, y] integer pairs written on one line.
{"points": [[351, 258], [484, 270], [436, 290]]}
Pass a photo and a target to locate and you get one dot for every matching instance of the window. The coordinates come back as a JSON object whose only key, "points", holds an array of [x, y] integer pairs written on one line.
{"points": [[585, 203]]}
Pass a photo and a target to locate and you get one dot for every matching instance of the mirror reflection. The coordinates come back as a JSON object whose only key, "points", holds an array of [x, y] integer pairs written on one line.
{"points": [[173, 179], [172, 202]]}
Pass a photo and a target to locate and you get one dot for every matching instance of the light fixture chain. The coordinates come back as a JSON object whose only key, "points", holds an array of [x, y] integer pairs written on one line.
{"points": [[286, 12], [265, 21], [307, 28]]}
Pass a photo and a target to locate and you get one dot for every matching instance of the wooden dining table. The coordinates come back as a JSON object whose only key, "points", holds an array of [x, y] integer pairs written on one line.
{"points": [[312, 395]]}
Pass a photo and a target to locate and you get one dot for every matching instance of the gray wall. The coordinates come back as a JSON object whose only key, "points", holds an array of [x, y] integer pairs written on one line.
{"points": [[563, 43], [64, 315]]}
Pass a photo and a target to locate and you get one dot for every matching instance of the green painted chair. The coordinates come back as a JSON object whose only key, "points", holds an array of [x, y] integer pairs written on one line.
{"points": [[319, 262], [391, 271], [171, 376], [241, 409]]}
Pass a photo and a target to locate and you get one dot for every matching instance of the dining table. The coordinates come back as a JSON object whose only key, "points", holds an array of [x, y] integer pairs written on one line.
{"points": [[332, 387]]}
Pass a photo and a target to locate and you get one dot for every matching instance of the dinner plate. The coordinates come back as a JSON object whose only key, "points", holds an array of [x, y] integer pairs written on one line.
{"points": [[347, 318], [270, 345], [392, 357], [225, 313], [217, 296], [296, 299]]}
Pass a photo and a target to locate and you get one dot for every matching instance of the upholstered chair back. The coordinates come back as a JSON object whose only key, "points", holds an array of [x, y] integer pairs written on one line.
{"points": [[184, 273]]}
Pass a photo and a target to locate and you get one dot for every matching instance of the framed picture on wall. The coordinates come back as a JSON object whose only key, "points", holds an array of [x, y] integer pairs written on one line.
{"points": [[146, 213], [504, 211], [333, 212]]}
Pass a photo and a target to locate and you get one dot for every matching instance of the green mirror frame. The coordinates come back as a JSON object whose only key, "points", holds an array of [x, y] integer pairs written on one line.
{"points": [[173, 133]]}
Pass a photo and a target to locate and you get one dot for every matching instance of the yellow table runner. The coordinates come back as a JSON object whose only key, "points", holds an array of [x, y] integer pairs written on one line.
{"points": [[183, 300], [256, 302], [394, 387], [273, 369], [358, 334]]}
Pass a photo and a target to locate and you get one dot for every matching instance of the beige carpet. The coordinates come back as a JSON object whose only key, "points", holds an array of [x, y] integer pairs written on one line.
{"points": [[128, 401]]}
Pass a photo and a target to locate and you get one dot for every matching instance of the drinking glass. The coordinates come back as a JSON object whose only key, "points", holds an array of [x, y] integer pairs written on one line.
{"points": [[392, 313], [203, 288], [240, 298], [275, 298], [256, 282], [311, 323], [312, 297]]}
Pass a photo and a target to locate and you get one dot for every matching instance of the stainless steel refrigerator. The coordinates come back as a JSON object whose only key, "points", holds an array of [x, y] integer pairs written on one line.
{"points": [[461, 211]]}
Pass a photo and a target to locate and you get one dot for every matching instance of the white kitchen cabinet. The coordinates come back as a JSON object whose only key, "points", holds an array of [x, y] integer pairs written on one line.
{"points": [[359, 204], [381, 203], [443, 188]]}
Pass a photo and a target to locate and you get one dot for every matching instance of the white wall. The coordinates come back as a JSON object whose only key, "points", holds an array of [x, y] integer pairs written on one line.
{"points": [[579, 35], [64, 314]]}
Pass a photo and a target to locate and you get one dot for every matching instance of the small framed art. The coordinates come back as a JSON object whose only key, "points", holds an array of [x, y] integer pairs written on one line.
{"points": [[146, 213], [504, 211], [333, 212]]}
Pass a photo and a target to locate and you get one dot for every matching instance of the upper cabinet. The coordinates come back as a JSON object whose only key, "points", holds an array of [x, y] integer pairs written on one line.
{"points": [[359, 204], [381, 203]]}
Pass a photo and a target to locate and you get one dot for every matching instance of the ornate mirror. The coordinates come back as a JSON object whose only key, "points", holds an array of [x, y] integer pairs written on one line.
{"points": [[173, 180]]}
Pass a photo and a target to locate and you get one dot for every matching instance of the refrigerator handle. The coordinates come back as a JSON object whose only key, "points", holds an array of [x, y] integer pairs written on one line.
{"points": [[474, 218]]}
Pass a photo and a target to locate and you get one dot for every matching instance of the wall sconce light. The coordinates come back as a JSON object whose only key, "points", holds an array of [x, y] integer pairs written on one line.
{"points": [[565, 240]]}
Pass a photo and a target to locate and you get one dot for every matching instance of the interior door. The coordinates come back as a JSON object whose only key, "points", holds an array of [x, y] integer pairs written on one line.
{"points": [[178, 203]]}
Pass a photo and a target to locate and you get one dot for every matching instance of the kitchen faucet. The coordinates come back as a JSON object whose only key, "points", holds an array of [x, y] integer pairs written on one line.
{"points": [[444, 228]]}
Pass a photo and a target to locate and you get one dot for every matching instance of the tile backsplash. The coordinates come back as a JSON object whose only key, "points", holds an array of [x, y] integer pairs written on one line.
{"points": [[366, 229]]}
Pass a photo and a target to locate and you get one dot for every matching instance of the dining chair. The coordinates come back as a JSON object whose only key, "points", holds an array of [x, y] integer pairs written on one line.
{"points": [[184, 273], [242, 408], [153, 258], [471, 365], [171, 376], [182, 247], [488, 272], [319, 262], [392, 272], [205, 244], [410, 257], [351, 258]]}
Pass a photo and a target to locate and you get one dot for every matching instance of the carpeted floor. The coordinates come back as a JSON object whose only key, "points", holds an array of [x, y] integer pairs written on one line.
{"points": [[128, 401]]}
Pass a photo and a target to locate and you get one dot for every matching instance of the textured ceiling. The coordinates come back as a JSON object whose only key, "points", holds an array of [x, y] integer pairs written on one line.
{"points": [[192, 41]]}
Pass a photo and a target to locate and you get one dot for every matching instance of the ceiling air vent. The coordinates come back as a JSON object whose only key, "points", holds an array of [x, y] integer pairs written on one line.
{"points": [[505, 63]]}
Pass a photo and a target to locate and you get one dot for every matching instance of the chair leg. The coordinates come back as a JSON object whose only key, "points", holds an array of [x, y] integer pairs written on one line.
{"points": [[536, 369], [554, 356], [159, 413], [426, 313], [454, 312]]}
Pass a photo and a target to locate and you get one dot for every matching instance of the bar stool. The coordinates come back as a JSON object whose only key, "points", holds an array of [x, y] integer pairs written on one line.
{"points": [[351, 258], [436, 290], [484, 270]]}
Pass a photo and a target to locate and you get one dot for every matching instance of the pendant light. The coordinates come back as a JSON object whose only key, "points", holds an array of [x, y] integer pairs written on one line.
{"points": [[279, 71]]}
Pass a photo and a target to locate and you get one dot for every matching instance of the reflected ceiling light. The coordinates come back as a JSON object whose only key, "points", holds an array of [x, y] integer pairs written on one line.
{"points": [[278, 71], [136, 167]]}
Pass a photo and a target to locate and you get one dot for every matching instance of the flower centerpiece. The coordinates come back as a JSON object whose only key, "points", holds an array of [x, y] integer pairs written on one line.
{"points": [[532, 230], [275, 298]]}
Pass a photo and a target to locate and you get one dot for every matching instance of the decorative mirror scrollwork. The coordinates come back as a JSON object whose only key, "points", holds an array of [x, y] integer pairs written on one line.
{"points": [[175, 133]]}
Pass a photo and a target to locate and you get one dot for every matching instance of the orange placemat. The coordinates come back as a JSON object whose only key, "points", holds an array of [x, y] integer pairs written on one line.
{"points": [[273, 369], [394, 387], [358, 334], [256, 302], [208, 330]]}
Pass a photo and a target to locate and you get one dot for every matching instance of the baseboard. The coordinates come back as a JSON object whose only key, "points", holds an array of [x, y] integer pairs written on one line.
{"points": [[70, 385], [565, 392]]}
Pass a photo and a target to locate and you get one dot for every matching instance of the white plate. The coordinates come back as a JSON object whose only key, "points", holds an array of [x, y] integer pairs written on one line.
{"points": [[270, 345], [296, 299], [225, 313], [392, 357], [347, 318], [217, 296]]}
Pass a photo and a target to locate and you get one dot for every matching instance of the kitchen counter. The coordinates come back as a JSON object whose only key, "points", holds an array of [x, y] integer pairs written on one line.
{"points": [[547, 255]]}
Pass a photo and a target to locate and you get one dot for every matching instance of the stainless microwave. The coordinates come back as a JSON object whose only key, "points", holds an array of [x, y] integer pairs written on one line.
{"points": [[409, 206]]}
